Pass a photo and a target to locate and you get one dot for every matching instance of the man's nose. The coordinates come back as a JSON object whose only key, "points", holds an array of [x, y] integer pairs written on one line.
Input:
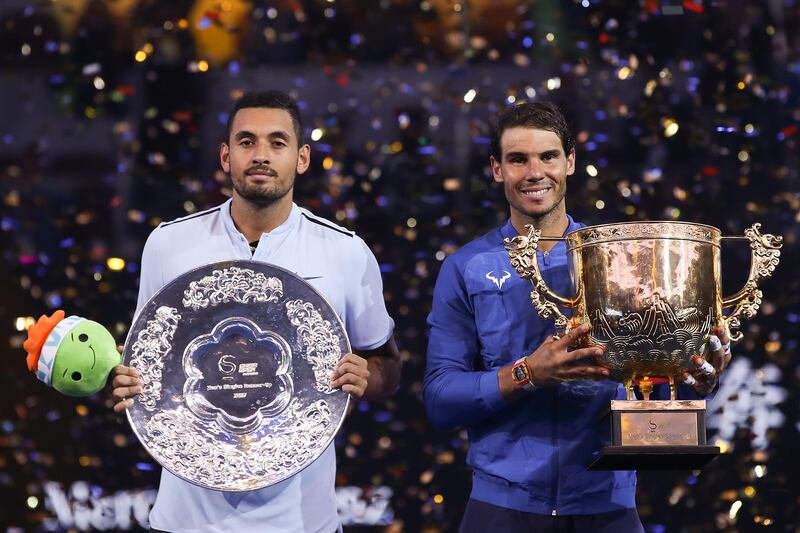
{"points": [[535, 169], [261, 155]]}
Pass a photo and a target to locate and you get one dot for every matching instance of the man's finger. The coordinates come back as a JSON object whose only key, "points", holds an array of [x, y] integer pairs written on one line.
{"points": [[574, 355], [351, 368], [350, 379], [724, 335], [125, 381], [725, 338], [704, 367], [716, 353], [722, 332], [701, 383], [122, 370], [584, 372], [122, 393], [573, 335], [353, 390], [351, 358], [121, 406], [727, 355]]}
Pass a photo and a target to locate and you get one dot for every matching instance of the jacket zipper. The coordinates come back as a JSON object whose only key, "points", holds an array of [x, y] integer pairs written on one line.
{"points": [[554, 494]]}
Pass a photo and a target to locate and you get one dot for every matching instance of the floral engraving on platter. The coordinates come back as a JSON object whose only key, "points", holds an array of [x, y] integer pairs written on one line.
{"points": [[296, 437], [321, 343], [232, 284], [660, 337], [149, 351]]}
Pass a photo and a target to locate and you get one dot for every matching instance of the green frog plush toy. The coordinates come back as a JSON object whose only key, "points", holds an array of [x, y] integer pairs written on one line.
{"points": [[73, 355]]}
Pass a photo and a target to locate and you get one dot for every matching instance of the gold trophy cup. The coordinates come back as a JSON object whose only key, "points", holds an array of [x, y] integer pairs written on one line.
{"points": [[652, 293]]}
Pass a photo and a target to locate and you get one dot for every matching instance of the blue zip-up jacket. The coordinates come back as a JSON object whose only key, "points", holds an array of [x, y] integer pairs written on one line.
{"points": [[531, 455]]}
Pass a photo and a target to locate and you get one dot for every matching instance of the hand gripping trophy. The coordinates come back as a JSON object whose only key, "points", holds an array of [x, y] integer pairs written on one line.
{"points": [[652, 293]]}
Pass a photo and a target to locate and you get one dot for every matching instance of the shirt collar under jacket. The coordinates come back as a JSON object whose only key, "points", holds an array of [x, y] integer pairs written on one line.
{"points": [[509, 232], [236, 236]]}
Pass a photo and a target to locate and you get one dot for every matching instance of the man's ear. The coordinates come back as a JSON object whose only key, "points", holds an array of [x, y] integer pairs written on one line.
{"points": [[571, 162], [224, 157], [303, 158], [496, 174]]}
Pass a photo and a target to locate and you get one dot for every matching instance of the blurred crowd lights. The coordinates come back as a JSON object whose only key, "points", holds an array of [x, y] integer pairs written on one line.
{"points": [[22, 323], [670, 127], [115, 263], [470, 95]]}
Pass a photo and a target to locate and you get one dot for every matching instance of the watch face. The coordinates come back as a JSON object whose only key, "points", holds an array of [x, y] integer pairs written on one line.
{"points": [[519, 373]]}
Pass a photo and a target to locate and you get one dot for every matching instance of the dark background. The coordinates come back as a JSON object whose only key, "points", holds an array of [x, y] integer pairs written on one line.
{"points": [[111, 112]]}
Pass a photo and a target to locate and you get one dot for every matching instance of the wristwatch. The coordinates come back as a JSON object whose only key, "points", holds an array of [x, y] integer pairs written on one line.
{"points": [[521, 374]]}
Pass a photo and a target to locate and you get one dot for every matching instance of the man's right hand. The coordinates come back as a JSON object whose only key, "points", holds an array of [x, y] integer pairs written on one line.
{"points": [[126, 384], [551, 363]]}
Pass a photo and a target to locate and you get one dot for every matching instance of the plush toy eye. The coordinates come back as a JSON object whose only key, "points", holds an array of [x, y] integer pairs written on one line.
{"points": [[76, 376], [83, 337]]}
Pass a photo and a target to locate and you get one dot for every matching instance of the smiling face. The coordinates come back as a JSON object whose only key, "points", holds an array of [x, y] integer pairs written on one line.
{"points": [[262, 155], [84, 359], [533, 169]]}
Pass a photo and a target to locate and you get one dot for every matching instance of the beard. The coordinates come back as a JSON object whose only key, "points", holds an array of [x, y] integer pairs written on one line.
{"points": [[262, 194]]}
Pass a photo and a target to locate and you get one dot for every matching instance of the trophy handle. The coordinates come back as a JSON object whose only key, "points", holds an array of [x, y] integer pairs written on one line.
{"points": [[522, 251], [765, 252]]}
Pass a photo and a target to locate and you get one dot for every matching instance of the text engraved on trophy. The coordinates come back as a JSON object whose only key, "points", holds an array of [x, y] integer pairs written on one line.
{"points": [[237, 374], [659, 429], [232, 284], [297, 435], [320, 341], [149, 350]]}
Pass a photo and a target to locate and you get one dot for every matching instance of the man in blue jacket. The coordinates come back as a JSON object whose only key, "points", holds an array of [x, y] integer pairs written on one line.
{"points": [[530, 405]]}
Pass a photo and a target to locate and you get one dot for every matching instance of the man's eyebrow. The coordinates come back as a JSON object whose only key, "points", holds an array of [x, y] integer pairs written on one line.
{"points": [[552, 152], [510, 155], [244, 134], [280, 134]]}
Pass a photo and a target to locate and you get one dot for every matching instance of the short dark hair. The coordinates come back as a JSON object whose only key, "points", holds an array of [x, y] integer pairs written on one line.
{"points": [[269, 100], [538, 115]]}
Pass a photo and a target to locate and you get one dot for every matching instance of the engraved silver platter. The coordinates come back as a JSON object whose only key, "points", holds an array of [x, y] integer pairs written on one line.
{"points": [[236, 358]]}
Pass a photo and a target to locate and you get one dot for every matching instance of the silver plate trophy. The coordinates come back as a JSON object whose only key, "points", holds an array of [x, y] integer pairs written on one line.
{"points": [[236, 359]]}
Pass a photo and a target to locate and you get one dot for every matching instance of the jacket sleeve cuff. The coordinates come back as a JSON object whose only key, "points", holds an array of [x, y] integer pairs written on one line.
{"points": [[489, 390]]}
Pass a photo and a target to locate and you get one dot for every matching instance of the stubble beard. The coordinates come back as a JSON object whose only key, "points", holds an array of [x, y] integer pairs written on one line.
{"points": [[260, 196]]}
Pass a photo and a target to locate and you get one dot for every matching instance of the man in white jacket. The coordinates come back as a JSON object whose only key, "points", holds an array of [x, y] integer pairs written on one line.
{"points": [[263, 154]]}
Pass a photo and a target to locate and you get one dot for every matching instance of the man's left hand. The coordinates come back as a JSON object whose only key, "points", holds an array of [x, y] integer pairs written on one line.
{"points": [[706, 376], [351, 374]]}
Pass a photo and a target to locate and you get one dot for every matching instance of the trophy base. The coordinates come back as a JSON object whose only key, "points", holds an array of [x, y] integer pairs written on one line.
{"points": [[655, 457], [656, 435]]}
